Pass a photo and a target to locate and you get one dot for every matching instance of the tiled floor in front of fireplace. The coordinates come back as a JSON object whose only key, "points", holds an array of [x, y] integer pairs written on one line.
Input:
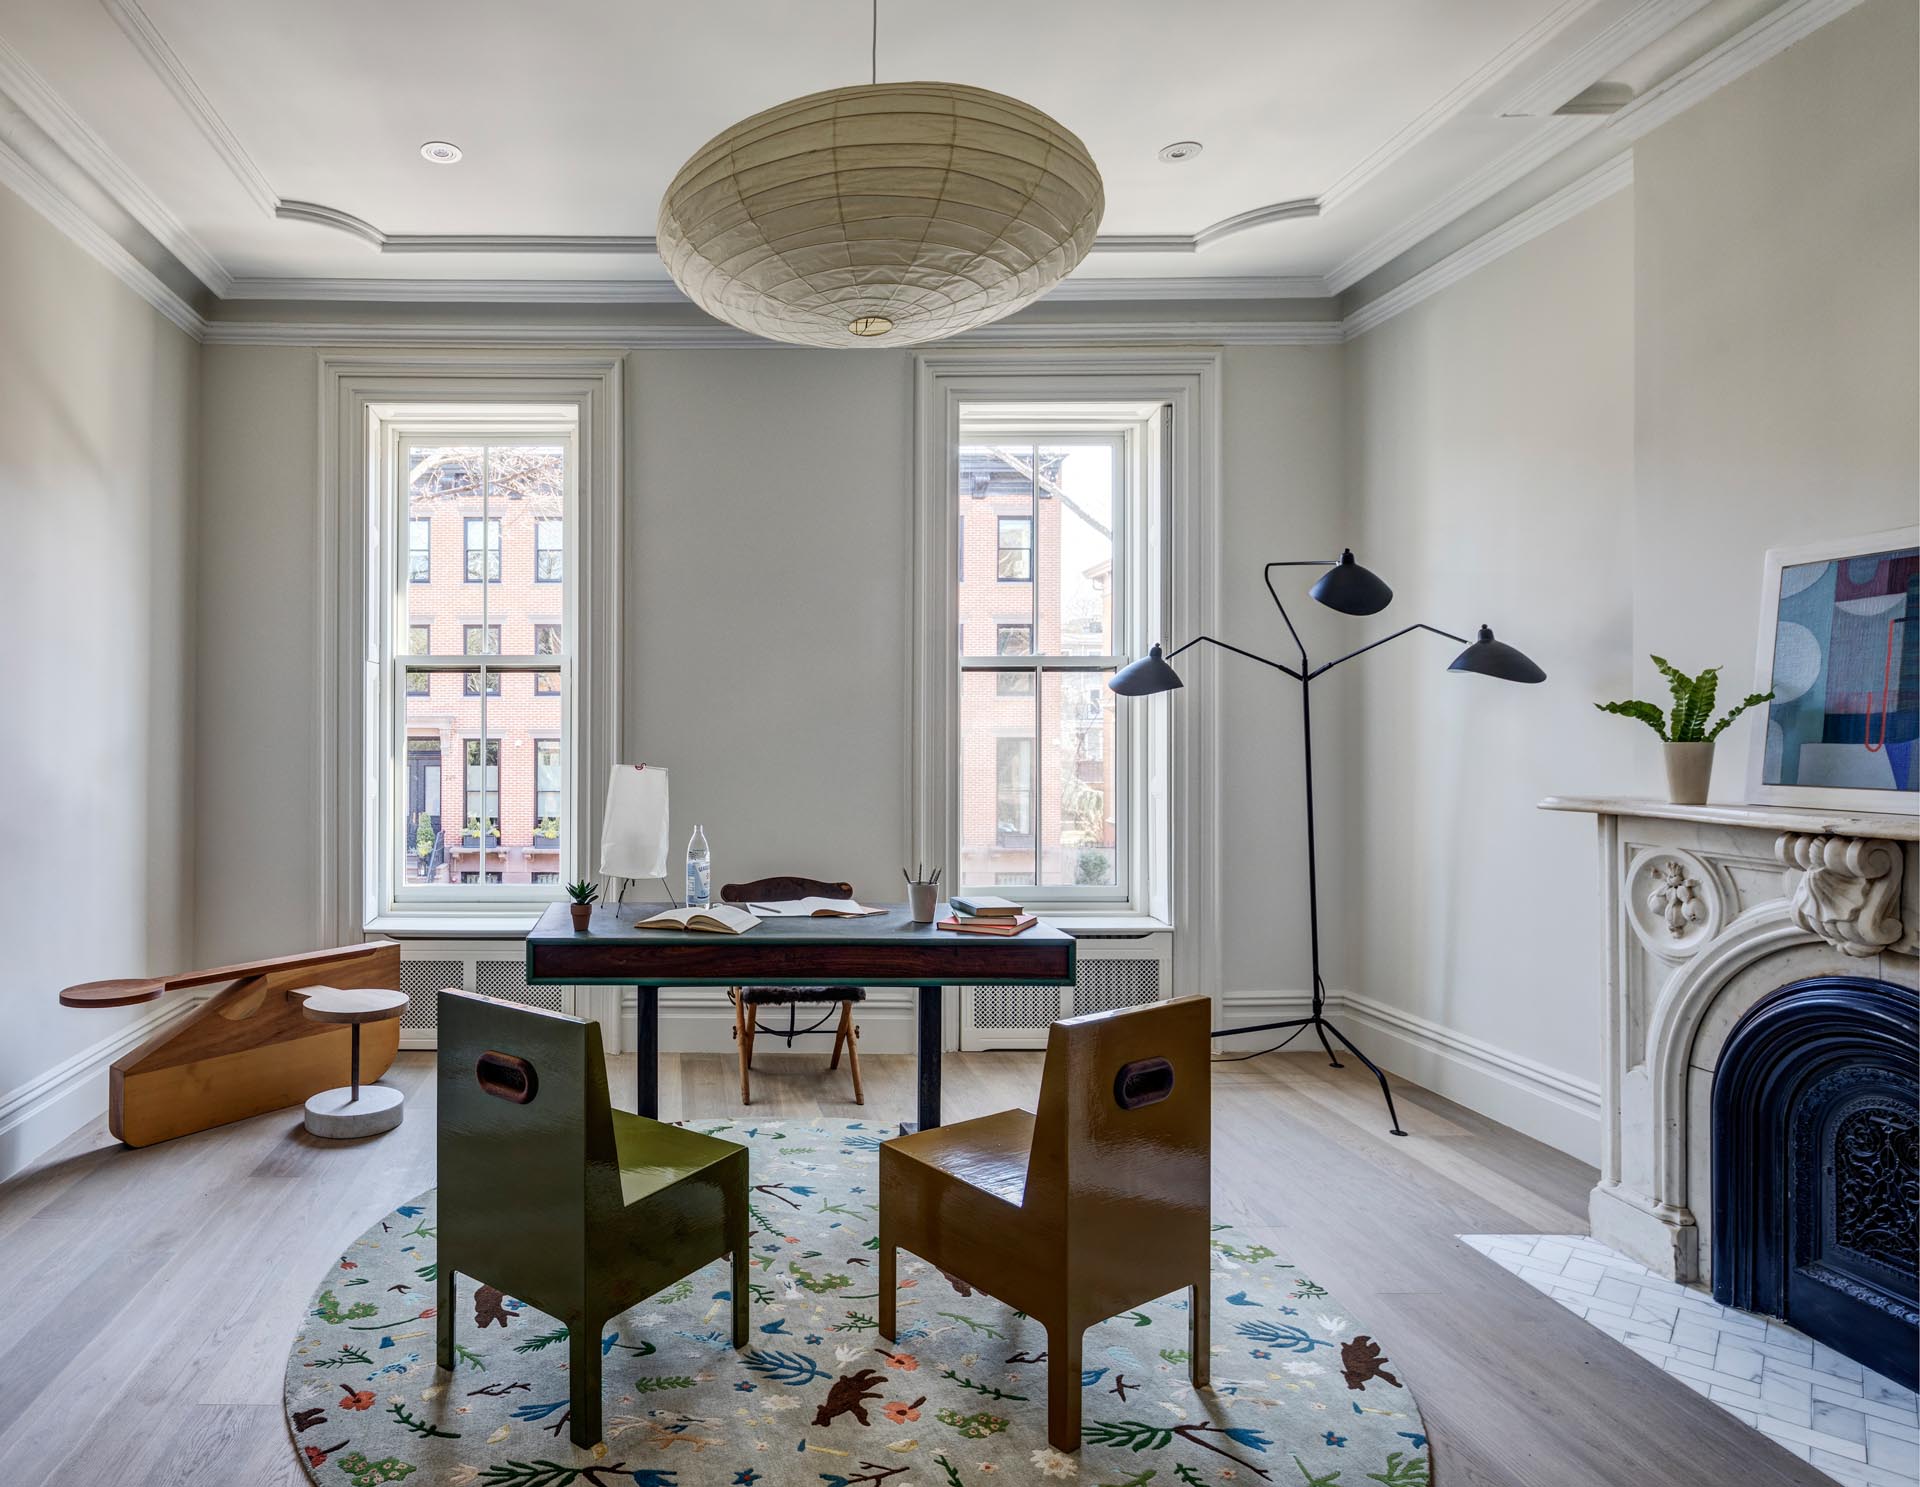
{"points": [[1857, 1427]]}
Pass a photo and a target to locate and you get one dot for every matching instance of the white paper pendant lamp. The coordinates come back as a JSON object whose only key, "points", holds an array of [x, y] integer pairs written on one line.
{"points": [[882, 215]]}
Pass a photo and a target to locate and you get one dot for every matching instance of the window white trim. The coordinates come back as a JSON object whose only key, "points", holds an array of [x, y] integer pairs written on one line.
{"points": [[352, 390], [1183, 815]]}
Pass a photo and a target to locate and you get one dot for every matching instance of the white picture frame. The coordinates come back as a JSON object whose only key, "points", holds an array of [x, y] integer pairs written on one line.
{"points": [[1760, 790]]}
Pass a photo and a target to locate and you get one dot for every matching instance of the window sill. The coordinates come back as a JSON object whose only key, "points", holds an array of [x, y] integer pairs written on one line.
{"points": [[1093, 922], [508, 924]]}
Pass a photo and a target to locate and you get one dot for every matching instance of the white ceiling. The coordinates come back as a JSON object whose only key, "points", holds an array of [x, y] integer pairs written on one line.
{"points": [[267, 139]]}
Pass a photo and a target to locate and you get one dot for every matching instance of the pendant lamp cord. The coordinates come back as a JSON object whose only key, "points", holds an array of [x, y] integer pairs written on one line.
{"points": [[874, 58]]}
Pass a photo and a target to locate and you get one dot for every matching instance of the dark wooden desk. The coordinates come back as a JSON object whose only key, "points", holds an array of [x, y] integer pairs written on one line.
{"points": [[881, 950]]}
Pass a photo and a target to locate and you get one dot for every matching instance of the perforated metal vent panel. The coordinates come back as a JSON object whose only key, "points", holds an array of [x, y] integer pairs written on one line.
{"points": [[507, 979], [1104, 985], [423, 981], [1015, 1006]]}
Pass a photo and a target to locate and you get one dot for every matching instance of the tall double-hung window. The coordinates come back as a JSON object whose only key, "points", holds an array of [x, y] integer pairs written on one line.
{"points": [[1048, 796], [474, 712]]}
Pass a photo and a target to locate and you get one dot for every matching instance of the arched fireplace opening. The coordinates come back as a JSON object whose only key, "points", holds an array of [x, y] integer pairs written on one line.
{"points": [[1816, 1195]]}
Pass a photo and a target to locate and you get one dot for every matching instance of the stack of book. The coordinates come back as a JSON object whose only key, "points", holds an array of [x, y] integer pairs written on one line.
{"points": [[986, 915]]}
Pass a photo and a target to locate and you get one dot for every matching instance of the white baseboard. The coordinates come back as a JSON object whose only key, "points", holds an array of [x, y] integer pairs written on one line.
{"points": [[38, 1115], [1548, 1104]]}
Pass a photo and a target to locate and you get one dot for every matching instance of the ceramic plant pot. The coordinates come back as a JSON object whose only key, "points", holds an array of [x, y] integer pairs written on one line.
{"points": [[1689, 772], [582, 915]]}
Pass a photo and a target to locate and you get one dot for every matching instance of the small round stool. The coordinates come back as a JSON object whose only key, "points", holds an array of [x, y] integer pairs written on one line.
{"points": [[357, 1110]]}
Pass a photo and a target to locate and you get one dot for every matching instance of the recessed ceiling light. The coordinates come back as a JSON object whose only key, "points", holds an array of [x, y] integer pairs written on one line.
{"points": [[1180, 150], [442, 153]]}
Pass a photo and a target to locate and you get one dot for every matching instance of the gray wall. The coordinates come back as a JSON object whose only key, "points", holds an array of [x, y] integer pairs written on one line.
{"points": [[1492, 461], [1776, 377], [97, 425], [1591, 443], [768, 514]]}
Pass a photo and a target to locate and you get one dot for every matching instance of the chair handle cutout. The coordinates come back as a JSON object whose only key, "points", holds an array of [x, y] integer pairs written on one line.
{"points": [[1145, 1081], [507, 1076]]}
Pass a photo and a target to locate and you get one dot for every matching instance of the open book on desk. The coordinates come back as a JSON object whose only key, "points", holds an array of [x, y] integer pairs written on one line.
{"points": [[814, 908], [721, 919]]}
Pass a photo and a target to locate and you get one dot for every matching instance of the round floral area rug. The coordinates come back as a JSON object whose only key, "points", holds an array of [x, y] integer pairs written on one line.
{"points": [[1301, 1394]]}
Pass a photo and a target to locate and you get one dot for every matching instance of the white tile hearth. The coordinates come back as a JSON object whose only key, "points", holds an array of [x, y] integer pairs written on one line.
{"points": [[1857, 1427]]}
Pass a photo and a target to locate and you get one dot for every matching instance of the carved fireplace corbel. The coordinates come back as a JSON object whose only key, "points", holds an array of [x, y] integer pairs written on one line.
{"points": [[1849, 894]]}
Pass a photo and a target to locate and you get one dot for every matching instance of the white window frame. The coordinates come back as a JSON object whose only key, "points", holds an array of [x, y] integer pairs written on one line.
{"points": [[401, 430], [1125, 435], [1176, 764], [357, 394]]}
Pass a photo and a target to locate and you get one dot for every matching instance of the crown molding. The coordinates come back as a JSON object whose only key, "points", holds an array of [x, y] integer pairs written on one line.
{"points": [[1516, 54], [666, 292], [58, 207], [1631, 34], [1299, 286], [402, 333], [1734, 58], [463, 291], [507, 242], [1759, 42], [1552, 136], [168, 67], [57, 190], [1595, 187], [48, 112]]}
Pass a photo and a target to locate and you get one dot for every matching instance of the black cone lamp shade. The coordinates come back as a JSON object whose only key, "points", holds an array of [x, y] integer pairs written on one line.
{"points": [[1144, 677], [1352, 589], [1495, 658]]}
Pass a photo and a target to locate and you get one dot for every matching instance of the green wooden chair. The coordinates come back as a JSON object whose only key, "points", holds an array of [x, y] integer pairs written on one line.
{"points": [[549, 1194]]}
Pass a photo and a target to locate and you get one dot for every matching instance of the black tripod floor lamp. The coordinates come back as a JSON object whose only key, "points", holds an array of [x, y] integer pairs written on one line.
{"points": [[1350, 589]]}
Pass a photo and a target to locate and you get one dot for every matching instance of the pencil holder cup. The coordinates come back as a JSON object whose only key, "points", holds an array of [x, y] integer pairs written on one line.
{"points": [[921, 898]]}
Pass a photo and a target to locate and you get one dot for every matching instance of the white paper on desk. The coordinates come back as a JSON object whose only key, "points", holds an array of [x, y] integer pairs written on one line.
{"points": [[633, 840], [809, 908]]}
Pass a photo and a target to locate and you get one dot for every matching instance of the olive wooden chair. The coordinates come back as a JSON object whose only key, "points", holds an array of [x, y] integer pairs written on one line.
{"points": [[550, 1195], [748, 1000], [1092, 1207]]}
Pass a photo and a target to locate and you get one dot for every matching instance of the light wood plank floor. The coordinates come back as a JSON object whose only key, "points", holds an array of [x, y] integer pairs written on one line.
{"points": [[149, 1296]]}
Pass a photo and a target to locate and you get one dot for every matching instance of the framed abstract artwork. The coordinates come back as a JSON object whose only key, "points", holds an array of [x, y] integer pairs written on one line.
{"points": [[1840, 648]]}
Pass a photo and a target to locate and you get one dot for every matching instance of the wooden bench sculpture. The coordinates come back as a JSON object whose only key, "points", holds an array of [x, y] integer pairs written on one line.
{"points": [[248, 1048]]}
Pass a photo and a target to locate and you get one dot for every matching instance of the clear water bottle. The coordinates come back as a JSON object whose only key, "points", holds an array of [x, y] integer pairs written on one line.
{"points": [[699, 871]]}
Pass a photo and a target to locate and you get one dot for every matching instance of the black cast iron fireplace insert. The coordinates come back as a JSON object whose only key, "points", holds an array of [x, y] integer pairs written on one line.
{"points": [[1816, 1195]]}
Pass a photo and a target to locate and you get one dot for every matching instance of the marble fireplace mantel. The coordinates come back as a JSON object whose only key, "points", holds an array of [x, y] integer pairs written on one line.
{"points": [[1706, 910]]}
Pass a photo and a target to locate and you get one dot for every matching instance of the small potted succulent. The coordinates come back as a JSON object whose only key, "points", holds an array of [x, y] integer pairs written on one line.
{"points": [[583, 894], [1688, 739]]}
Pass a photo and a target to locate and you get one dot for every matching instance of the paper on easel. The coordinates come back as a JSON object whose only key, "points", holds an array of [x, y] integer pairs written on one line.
{"points": [[633, 840]]}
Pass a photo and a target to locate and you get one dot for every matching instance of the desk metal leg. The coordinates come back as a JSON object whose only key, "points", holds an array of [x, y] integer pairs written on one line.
{"points": [[646, 1054], [929, 1030]]}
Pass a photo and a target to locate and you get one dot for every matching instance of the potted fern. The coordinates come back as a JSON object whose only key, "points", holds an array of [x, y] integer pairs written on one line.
{"points": [[1687, 739], [583, 894]]}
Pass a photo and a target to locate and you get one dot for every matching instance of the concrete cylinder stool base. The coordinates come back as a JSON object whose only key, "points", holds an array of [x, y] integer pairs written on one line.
{"points": [[338, 1116], [358, 1109]]}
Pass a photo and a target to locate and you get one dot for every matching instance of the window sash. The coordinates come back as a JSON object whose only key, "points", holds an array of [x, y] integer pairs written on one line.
{"points": [[1127, 796], [394, 894]]}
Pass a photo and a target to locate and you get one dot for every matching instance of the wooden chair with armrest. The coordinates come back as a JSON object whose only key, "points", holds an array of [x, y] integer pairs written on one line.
{"points": [[549, 1194], [1089, 1208], [249, 1048], [748, 1000]]}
